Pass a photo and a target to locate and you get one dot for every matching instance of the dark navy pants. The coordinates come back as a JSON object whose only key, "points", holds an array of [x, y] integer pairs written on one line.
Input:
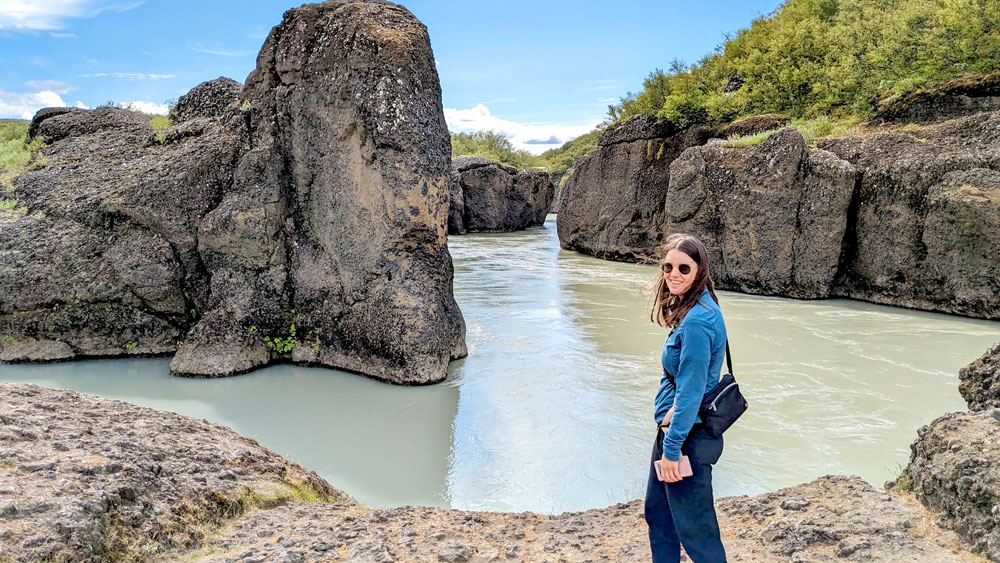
{"points": [[684, 512]]}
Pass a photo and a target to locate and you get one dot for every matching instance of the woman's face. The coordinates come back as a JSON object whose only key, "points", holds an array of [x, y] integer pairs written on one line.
{"points": [[672, 267]]}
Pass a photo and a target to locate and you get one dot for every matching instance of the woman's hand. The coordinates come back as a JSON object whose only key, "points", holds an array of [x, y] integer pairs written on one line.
{"points": [[670, 470]]}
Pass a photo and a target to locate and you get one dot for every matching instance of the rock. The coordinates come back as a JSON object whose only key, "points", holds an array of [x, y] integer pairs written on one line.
{"points": [[213, 98], [491, 197], [924, 230], [132, 512], [611, 206], [240, 506], [43, 114], [950, 99], [307, 222], [773, 216], [752, 126], [963, 485], [979, 382]]}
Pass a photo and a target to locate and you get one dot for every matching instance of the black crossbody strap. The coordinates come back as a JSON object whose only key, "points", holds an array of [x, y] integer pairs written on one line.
{"points": [[729, 358]]}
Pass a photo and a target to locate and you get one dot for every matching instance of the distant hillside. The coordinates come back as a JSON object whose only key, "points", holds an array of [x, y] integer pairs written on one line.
{"points": [[557, 162], [833, 58]]}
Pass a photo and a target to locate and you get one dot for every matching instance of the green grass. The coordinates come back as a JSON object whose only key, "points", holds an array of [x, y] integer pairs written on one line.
{"points": [[749, 140], [15, 155]]}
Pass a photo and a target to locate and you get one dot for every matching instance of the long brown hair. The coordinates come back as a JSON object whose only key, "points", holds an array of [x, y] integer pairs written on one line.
{"points": [[668, 309]]}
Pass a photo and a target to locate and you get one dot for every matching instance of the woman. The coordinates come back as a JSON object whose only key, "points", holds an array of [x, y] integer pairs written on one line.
{"points": [[682, 510]]}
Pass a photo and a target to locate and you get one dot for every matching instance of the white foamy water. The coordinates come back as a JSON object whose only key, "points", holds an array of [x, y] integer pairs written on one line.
{"points": [[552, 409]]}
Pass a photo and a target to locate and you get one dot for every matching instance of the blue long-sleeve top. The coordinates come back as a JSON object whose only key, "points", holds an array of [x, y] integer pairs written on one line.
{"points": [[693, 354]]}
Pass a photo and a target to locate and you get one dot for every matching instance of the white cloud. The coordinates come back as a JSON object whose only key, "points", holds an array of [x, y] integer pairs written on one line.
{"points": [[129, 75], [199, 48], [24, 106], [51, 85], [62, 35], [82, 105], [33, 15], [146, 107], [521, 135]]}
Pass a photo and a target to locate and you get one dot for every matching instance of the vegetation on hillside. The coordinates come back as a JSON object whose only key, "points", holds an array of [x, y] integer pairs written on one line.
{"points": [[833, 58], [15, 155], [490, 144]]}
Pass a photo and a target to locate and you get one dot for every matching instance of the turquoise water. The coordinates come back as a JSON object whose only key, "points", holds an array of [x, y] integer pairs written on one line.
{"points": [[551, 411]]}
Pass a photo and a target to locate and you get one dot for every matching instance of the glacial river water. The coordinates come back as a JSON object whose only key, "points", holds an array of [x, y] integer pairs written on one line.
{"points": [[551, 411]]}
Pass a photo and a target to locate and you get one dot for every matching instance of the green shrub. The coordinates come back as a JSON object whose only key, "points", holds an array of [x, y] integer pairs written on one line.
{"points": [[826, 57]]}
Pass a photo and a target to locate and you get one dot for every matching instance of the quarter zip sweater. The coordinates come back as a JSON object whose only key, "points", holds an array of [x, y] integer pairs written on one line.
{"points": [[693, 353]]}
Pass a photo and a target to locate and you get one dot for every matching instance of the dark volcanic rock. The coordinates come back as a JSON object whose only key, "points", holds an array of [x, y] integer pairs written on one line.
{"points": [[772, 216], [752, 126], [612, 204], [979, 382], [306, 222], [924, 230], [954, 98], [955, 469], [334, 233], [491, 197], [208, 99], [104, 259]]}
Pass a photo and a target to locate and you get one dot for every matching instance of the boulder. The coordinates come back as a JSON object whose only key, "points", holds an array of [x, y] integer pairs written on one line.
{"points": [[954, 470], [489, 196], [924, 230], [611, 206], [979, 382], [305, 223], [772, 216], [948, 100], [212, 98]]}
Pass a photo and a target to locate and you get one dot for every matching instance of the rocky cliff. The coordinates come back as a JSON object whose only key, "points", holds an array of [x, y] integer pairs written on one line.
{"points": [[301, 217], [772, 216], [487, 196], [85, 478], [954, 465], [612, 204], [907, 216]]}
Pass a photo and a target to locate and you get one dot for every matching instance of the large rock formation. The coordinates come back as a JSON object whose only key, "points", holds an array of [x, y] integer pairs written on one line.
{"points": [[487, 196], [612, 204], [916, 223], [953, 98], [772, 216], [955, 462], [979, 382], [924, 228], [305, 220], [86, 478]]}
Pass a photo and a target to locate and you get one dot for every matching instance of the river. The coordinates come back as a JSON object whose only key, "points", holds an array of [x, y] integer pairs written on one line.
{"points": [[552, 409]]}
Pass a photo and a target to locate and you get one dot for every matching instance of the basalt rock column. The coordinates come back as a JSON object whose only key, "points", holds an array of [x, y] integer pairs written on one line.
{"points": [[773, 216], [330, 247], [612, 205]]}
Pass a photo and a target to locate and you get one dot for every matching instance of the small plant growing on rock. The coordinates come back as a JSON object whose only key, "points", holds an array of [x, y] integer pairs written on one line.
{"points": [[283, 345], [129, 346]]}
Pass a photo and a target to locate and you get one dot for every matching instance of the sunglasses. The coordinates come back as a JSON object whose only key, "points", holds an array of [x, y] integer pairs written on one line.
{"points": [[684, 269]]}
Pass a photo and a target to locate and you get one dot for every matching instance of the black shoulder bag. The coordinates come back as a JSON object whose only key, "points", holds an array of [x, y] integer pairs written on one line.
{"points": [[723, 404]]}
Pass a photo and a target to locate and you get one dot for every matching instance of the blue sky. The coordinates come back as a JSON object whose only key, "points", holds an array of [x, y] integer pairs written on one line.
{"points": [[536, 71]]}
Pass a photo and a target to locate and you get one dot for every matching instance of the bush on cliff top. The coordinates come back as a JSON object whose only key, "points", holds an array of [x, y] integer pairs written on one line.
{"points": [[825, 57]]}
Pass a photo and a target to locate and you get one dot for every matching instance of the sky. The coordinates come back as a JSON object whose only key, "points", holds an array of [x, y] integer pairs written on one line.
{"points": [[541, 72]]}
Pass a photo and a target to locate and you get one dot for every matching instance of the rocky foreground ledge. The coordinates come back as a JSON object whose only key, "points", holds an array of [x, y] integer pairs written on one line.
{"points": [[85, 478]]}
